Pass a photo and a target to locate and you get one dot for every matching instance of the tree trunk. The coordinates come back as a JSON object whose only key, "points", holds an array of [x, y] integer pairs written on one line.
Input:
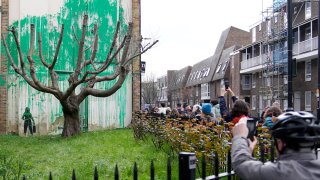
{"points": [[71, 118]]}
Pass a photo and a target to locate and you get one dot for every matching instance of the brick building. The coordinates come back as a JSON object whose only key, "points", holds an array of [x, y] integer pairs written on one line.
{"points": [[264, 62]]}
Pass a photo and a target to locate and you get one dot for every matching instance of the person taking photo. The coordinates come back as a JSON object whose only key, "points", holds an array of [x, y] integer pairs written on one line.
{"points": [[295, 136]]}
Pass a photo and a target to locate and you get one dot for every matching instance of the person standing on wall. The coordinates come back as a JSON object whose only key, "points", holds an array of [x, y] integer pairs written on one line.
{"points": [[28, 121]]}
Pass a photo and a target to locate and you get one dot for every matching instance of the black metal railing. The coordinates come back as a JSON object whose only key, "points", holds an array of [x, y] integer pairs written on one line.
{"points": [[116, 172]]}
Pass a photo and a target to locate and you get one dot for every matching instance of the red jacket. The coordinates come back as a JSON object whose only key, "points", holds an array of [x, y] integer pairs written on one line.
{"points": [[235, 120]]}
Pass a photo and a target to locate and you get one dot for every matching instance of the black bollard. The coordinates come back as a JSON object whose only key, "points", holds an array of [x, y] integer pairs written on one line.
{"points": [[187, 166]]}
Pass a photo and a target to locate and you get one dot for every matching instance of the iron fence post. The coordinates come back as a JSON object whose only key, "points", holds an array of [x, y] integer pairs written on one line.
{"points": [[187, 166], [203, 166]]}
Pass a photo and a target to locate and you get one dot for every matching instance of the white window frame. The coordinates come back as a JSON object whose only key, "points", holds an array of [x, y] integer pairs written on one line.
{"points": [[253, 102], [268, 81], [197, 91], [307, 100], [285, 20], [285, 104], [268, 102], [218, 68], [254, 34], [206, 72], [307, 9], [254, 81], [269, 27], [308, 70], [297, 101], [205, 91], [244, 56], [225, 65], [295, 10], [259, 27], [285, 79], [232, 62]]}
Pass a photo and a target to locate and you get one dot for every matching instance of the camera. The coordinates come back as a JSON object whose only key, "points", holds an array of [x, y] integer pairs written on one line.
{"points": [[252, 126]]}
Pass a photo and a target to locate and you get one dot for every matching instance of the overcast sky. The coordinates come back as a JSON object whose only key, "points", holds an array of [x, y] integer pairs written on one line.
{"points": [[188, 31]]}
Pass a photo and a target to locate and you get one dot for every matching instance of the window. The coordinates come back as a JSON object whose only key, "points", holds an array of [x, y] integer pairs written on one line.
{"points": [[308, 71], [295, 10], [197, 91], [244, 56], [269, 27], [199, 75], [218, 68], [285, 79], [246, 82], [308, 100], [261, 107], [225, 65], [206, 72], [294, 67], [285, 104], [205, 91], [254, 81], [254, 34], [259, 27], [308, 33], [232, 62], [297, 101], [285, 20], [268, 81], [254, 101], [307, 9], [275, 19]]}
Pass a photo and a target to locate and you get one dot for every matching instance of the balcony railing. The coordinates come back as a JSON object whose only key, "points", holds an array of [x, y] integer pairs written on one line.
{"points": [[305, 46], [256, 61], [298, 48]]}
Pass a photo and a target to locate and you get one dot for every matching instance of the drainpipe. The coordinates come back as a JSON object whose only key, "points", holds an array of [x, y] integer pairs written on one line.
{"points": [[318, 88], [289, 16]]}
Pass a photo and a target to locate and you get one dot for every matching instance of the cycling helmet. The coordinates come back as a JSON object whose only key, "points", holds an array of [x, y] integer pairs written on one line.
{"points": [[296, 126]]}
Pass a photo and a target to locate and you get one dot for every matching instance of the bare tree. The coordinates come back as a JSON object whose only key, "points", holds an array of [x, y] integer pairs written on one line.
{"points": [[122, 53], [149, 89]]}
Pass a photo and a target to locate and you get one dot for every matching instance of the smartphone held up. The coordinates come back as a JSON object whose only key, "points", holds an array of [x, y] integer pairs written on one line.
{"points": [[226, 84], [252, 126]]}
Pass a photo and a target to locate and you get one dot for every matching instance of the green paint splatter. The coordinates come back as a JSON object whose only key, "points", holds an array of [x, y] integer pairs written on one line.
{"points": [[101, 12]]}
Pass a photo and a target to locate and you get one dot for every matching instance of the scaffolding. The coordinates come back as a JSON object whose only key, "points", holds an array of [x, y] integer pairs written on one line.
{"points": [[275, 66]]}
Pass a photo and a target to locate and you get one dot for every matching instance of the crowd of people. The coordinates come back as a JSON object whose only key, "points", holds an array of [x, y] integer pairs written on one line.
{"points": [[216, 110], [296, 137]]}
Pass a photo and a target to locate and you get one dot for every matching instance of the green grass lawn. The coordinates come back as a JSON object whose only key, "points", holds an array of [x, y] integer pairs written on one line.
{"points": [[103, 149]]}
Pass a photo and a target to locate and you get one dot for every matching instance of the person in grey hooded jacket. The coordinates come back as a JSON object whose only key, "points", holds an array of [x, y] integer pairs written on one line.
{"points": [[295, 135]]}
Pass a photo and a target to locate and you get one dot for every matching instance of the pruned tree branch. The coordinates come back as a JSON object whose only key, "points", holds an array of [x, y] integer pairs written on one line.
{"points": [[36, 81], [81, 47], [95, 46], [53, 74], [13, 30], [40, 50], [90, 76], [75, 35], [104, 93], [145, 50], [57, 48]]}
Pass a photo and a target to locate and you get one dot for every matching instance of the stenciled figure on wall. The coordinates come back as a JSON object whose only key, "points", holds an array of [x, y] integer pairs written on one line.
{"points": [[28, 121]]}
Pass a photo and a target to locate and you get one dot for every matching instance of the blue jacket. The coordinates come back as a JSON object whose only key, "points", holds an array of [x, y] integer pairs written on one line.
{"points": [[268, 122]]}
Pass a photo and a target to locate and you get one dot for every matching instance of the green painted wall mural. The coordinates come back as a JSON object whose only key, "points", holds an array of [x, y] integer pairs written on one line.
{"points": [[101, 113]]}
